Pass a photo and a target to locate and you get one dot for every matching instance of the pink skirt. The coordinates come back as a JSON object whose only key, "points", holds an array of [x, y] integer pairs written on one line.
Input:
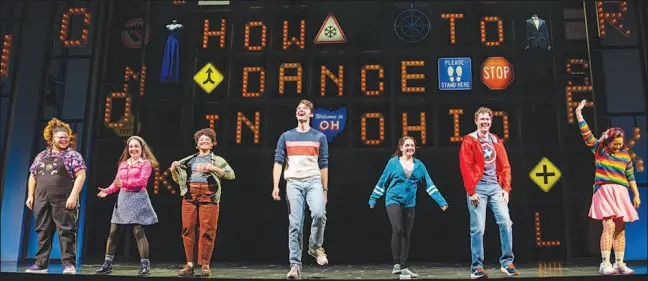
{"points": [[612, 201]]}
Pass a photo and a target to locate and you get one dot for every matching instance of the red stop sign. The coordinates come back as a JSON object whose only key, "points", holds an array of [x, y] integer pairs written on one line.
{"points": [[497, 73]]}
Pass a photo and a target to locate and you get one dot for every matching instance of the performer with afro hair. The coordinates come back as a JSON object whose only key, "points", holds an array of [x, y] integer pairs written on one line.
{"points": [[199, 176], [55, 181]]}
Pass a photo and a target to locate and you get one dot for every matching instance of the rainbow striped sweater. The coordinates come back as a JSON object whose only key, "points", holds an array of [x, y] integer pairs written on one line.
{"points": [[615, 168]]}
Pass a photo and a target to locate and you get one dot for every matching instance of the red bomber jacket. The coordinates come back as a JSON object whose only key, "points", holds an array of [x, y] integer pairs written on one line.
{"points": [[471, 162]]}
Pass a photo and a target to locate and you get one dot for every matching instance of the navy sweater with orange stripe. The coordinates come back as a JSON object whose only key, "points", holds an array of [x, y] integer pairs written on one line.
{"points": [[305, 153]]}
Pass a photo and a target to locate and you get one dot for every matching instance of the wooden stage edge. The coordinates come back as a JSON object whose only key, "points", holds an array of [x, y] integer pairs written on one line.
{"points": [[538, 271]]}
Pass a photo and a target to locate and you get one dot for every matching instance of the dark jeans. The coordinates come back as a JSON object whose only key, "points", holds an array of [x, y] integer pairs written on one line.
{"points": [[402, 221], [51, 215]]}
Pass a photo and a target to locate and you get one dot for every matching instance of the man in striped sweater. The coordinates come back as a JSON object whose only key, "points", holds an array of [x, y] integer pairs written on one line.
{"points": [[305, 152]]}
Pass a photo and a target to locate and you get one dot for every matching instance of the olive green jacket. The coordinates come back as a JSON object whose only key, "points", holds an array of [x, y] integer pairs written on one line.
{"points": [[180, 175]]}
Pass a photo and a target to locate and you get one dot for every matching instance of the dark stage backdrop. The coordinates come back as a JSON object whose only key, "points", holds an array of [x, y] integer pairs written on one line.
{"points": [[253, 227]]}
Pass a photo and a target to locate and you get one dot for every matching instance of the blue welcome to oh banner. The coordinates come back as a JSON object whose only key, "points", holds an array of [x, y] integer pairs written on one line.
{"points": [[331, 123]]}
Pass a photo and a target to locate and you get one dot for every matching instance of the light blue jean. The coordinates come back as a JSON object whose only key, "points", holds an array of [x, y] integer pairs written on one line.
{"points": [[491, 195], [308, 191]]}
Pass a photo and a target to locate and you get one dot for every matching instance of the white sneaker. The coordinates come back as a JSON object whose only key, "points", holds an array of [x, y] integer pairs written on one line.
{"points": [[319, 255], [606, 268], [294, 273], [36, 269], [621, 268], [397, 269], [408, 274], [69, 269]]}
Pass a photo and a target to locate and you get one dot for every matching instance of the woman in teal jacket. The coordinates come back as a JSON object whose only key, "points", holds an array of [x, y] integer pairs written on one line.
{"points": [[398, 183]]}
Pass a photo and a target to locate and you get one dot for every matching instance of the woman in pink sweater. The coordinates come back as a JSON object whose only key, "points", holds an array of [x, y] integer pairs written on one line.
{"points": [[133, 205]]}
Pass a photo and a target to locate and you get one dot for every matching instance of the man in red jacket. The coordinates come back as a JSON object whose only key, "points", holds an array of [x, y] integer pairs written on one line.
{"points": [[486, 174]]}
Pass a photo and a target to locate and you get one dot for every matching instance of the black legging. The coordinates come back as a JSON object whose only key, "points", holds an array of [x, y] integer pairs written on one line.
{"points": [[138, 232], [402, 221]]}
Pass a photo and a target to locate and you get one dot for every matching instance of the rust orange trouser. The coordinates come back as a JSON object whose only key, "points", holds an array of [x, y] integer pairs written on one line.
{"points": [[199, 209]]}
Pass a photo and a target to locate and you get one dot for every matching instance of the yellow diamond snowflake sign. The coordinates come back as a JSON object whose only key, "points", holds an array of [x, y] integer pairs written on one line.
{"points": [[208, 78], [545, 174]]}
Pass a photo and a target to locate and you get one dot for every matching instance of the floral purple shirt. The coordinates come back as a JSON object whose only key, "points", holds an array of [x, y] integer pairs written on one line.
{"points": [[72, 160]]}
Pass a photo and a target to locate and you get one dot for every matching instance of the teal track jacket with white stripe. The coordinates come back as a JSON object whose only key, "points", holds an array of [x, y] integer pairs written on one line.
{"points": [[400, 189]]}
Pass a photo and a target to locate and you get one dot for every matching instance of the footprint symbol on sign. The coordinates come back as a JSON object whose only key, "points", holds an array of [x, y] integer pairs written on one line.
{"points": [[459, 72], [450, 73]]}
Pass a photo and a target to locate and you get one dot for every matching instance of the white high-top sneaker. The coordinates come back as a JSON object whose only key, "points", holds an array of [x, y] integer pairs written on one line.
{"points": [[621, 268], [606, 268]]}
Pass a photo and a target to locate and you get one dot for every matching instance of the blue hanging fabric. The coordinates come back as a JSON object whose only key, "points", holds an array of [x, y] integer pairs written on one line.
{"points": [[170, 70]]}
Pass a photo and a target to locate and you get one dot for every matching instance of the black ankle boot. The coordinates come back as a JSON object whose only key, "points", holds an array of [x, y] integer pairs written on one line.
{"points": [[106, 268], [145, 270]]}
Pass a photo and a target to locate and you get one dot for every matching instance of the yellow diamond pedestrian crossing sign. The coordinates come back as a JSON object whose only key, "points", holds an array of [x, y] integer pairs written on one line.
{"points": [[208, 78], [545, 174]]}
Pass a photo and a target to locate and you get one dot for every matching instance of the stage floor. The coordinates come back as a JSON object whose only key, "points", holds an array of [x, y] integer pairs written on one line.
{"points": [[337, 272]]}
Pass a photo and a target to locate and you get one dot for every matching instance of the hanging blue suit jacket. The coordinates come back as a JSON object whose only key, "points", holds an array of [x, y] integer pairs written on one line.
{"points": [[537, 37]]}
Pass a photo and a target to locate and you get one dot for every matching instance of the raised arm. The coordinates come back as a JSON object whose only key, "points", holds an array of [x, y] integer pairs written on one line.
{"points": [[589, 138], [380, 188], [432, 190]]}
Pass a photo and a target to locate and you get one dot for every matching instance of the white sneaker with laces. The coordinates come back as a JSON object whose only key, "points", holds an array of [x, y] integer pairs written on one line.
{"points": [[294, 273], [319, 255], [621, 268], [69, 269], [606, 268], [397, 269], [408, 274]]}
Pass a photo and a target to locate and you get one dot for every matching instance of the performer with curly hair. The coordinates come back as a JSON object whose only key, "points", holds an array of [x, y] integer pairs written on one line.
{"points": [[55, 181], [133, 205], [199, 177], [611, 201], [398, 183]]}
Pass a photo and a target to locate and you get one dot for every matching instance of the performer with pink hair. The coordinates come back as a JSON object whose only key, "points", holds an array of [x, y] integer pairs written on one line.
{"points": [[611, 201]]}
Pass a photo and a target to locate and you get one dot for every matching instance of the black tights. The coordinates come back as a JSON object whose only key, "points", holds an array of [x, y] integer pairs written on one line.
{"points": [[140, 237], [402, 221]]}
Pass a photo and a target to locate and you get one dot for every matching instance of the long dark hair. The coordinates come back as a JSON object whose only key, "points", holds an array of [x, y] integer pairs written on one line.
{"points": [[401, 142], [147, 152]]}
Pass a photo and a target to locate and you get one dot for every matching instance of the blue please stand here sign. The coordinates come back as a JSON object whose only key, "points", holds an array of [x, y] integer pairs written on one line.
{"points": [[455, 74]]}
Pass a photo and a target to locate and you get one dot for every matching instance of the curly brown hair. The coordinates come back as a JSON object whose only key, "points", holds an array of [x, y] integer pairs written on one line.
{"points": [[482, 110], [205, 132], [54, 126]]}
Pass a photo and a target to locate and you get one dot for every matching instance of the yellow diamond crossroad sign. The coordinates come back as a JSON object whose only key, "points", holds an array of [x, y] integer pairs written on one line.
{"points": [[208, 78], [545, 174]]}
